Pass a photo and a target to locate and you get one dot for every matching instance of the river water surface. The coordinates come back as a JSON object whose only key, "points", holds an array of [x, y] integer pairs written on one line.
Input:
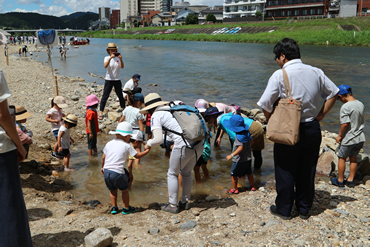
{"points": [[232, 73]]}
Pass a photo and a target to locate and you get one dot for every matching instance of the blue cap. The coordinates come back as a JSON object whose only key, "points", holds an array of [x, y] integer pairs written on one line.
{"points": [[344, 89], [136, 76], [139, 97], [235, 123], [211, 111]]}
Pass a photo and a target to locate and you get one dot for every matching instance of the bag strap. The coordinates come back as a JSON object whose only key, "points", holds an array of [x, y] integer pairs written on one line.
{"points": [[288, 91]]}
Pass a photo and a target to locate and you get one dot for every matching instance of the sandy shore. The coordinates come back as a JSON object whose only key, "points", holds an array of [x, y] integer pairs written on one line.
{"points": [[340, 216]]}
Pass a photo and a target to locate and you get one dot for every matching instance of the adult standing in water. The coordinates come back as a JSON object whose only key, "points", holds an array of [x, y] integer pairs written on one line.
{"points": [[295, 166], [113, 63], [182, 159]]}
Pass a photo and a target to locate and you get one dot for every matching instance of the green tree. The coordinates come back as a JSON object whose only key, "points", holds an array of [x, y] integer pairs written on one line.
{"points": [[191, 19], [145, 24], [258, 13], [211, 17]]}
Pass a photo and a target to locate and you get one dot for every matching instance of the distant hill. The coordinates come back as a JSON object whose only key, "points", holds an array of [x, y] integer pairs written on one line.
{"points": [[17, 20]]}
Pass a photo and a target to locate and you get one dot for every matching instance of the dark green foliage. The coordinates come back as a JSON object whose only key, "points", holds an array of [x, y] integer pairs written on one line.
{"points": [[258, 13], [191, 19], [82, 22], [211, 17]]}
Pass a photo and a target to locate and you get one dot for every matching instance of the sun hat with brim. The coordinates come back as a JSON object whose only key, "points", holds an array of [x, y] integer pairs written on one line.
{"points": [[70, 118], [151, 101], [235, 123], [21, 113], [344, 89], [91, 100], [201, 105], [212, 111], [138, 135], [112, 46], [60, 101], [123, 129]]}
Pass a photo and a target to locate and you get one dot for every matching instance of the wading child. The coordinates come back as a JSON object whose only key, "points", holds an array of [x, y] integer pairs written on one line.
{"points": [[21, 115], [241, 154], [131, 113], [54, 116], [92, 125], [351, 136], [137, 139], [113, 162], [65, 139], [202, 162]]}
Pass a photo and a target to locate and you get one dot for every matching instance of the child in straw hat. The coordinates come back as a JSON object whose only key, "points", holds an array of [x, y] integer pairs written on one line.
{"points": [[64, 139], [21, 115]]}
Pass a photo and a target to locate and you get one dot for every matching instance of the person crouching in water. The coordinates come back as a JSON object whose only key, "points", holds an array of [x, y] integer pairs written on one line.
{"points": [[241, 154], [116, 176], [92, 124], [65, 139]]}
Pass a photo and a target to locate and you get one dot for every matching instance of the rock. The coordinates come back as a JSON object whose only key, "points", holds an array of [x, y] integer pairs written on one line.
{"points": [[81, 80], [188, 225], [329, 142], [175, 221], [232, 214], [262, 189], [45, 146], [154, 205], [75, 98], [93, 203], [243, 232], [59, 182], [101, 237], [365, 179], [155, 85], [322, 186], [102, 126], [115, 105], [254, 112], [271, 223], [262, 223], [364, 166], [324, 164], [154, 231], [298, 242], [107, 122], [216, 243], [66, 202], [211, 198], [340, 211], [245, 111], [114, 116], [260, 117], [363, 219], [33, 164]]}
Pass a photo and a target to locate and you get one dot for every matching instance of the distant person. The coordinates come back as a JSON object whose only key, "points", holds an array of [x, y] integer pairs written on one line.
{"points": [[24, 50], [5, 49], [63, 51], [65, 139], [21, 115], [15, 230], [113, 161], [351, 136], [92, 124], [131, 84], [113, 63], [20, 51], [295, 166]]}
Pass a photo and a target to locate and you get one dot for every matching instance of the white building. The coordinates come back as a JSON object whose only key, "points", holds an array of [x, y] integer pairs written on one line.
{"points": [[149, 5], [242, 8], [128, 8]]}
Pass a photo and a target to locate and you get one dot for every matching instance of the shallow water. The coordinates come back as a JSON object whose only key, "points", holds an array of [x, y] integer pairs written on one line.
{"points": [[218, 72]]}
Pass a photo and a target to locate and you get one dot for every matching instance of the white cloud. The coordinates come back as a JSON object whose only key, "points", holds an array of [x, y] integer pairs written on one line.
{"points": [[46, 10], [21, 10], [27, 2], [87, 5], [210, 3]]}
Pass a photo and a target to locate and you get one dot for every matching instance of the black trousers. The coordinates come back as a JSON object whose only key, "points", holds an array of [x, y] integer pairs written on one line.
{"points": [[295, 166], [107, 89]]}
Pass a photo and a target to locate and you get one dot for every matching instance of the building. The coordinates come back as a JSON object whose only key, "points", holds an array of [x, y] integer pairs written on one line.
{"points": [[295, 8], [217, 13], [348, 8], [242, 8], [129, 9], [149, 5], [221, 7], [115, 18], [182, 14], [166, 6], [148, 17], [162, 19], [363, 8], [198, 8], [104, 13]]}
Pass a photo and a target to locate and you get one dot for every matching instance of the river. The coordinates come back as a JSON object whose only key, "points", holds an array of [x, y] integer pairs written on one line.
{"points": [[232, 73]]}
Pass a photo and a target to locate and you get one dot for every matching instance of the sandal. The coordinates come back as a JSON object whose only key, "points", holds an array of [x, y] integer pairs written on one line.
{"points": [[100, 117], [232, 191]]}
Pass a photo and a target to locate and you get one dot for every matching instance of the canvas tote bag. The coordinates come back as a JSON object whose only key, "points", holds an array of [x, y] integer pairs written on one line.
{"points": [[283, 125]]}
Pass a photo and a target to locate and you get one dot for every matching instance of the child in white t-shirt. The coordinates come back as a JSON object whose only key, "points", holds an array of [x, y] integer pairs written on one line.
{"points": [[131, 113], [64, 139], [113, 162], [137, 140]]}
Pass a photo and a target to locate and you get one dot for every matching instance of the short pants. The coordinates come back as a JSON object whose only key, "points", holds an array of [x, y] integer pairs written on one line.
{"points": [[114, 180], [351, 150], [148, 130], [64, 153], [91, 143], [240, 169], [55, 133], [201, 161]]}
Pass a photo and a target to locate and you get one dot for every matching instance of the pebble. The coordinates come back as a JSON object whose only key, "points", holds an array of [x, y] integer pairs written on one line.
{"points": [[66, 202], [262, 223], [341, 211], [188, 225], [363, 219], [211, 198], [232, 214], [153, 231], [271, 223], [75, 98]]}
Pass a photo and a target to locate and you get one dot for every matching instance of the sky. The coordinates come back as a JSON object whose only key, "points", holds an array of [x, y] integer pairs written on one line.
{"points": [[66, 7]]}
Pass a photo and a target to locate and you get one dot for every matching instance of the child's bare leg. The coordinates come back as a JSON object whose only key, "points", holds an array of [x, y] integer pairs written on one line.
{"points": [[55, 149], [234, 182], [126, 198], [197, 174], [180, 180], [95, 151], [205, 171], [251, 180], [113, 197], [66, 161], [90, 152], [341, 169], [352, 168]]}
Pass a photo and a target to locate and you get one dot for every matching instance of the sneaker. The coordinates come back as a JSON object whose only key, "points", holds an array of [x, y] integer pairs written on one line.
{"points": [[184, 206], [130, 210], [232, 191], [350, 184], [334, 181], [253, 189], [57, 156], [114, 210], [170, 209], [275, 212], [304, 216]]}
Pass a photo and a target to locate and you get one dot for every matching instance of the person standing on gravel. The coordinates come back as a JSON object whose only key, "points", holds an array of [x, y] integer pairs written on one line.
{"points": [[113, 63], [295, 166], [15, 230]]}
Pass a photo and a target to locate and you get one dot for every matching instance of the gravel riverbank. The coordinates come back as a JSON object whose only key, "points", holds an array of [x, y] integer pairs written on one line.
{"points": [[340, 216]]}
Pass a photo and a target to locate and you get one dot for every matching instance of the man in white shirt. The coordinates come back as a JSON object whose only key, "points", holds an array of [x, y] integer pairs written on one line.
{"points": [[131, 84], [295, 166]]}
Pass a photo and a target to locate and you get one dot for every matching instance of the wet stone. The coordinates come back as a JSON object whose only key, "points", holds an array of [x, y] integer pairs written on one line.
{"points": [[272, 223], [188, 225], [154, 231], [341, 211]]}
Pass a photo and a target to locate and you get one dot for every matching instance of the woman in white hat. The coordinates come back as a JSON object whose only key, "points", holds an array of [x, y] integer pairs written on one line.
{"points": [[182, 159], [113, 63]]}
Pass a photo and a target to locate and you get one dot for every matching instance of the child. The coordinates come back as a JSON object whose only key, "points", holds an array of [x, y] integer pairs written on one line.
{"points": [[241, 154], [351, 136], [54, 116], [91, 121], [131, 113], [65, 139], [202, 162], [21, 115], [136, 140], [148, 130], [113, 166]]}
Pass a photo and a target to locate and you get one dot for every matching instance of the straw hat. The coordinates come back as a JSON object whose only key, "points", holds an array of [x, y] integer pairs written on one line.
{"points": [[112, 46], [151, 101], [123, 129], [60, 101], [21, 113], [70, 118]]}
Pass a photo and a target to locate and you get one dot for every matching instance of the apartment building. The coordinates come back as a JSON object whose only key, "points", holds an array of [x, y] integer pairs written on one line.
{"points": [[149, 5], [104, 13], [242, 8], [295, 8], [115, 18], [129, 9]]}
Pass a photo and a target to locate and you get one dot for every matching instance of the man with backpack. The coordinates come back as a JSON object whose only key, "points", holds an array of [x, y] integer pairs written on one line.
{"points": [[186, 149]]}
